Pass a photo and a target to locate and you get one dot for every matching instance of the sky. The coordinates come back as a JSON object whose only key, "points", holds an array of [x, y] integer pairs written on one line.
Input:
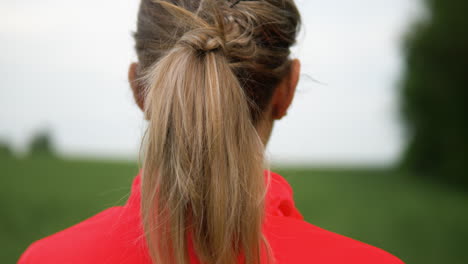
{"points": [[63, 68]]}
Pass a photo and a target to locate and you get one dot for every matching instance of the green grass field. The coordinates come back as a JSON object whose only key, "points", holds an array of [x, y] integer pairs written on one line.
{"points": [[420, 222]]}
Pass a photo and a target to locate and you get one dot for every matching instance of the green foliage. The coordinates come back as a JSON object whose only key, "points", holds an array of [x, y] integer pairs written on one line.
{"points": [[5, 149], [435, 93], [41, 144]]}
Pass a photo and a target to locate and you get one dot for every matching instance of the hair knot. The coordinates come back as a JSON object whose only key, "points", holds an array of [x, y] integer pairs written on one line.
{"points": [[203, 39]]}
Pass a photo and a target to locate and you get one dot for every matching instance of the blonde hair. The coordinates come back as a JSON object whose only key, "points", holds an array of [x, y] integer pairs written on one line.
{"points": [[209, 69]]}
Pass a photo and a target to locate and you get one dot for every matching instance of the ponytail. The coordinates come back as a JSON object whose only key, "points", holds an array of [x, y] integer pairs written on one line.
{"points": [[203, 162]]}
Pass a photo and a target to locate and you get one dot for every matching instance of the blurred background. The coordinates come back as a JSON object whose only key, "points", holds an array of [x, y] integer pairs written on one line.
{"points": [[375, 144]]}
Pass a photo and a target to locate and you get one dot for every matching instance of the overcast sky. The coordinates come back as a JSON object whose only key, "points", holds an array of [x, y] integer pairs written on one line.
{"points": [[63, 67]]}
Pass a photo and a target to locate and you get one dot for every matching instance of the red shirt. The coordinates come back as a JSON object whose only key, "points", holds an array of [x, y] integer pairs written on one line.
{"points": [[115, 236]]}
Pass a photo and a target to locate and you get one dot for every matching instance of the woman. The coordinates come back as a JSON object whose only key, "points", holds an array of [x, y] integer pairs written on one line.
{"points": [[212, 77]]}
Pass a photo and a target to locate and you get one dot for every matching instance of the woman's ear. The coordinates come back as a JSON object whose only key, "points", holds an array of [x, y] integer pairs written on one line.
{"points": [[137, 88], [284, 93]]}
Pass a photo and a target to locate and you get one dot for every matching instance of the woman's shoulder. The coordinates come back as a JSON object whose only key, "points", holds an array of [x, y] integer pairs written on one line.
{"points": [[296, 241], [107, 237]]}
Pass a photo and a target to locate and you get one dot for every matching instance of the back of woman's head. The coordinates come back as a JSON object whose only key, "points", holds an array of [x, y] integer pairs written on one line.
{"points": [[209, 69]]}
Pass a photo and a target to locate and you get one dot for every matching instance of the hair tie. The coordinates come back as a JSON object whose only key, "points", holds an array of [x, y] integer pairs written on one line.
{"points": [[235, 3]]}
